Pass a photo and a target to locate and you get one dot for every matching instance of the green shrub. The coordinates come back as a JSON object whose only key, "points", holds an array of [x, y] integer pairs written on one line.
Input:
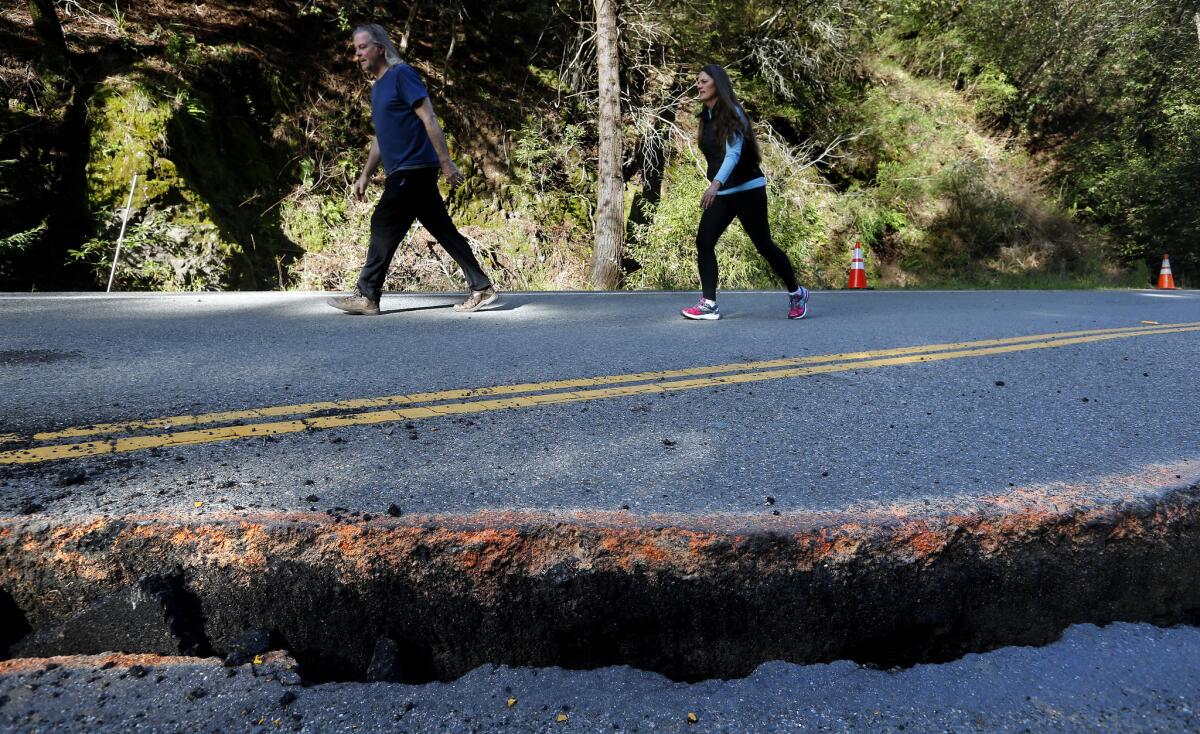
{"points": [[992, 93], [552, 177]]}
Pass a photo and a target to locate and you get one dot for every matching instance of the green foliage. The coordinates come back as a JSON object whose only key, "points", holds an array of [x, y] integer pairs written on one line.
{"points": [[198, 164], [246, 139], [992, 93], [182, 49], [171, 241], [166, 248], [1111, 86], [317, 221], [939, 201], [129, 120], [551, 174], [16, 246], [666, 246]]}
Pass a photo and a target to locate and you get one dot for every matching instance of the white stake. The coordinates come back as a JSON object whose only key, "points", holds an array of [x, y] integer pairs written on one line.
{"points": [[120, 237]]}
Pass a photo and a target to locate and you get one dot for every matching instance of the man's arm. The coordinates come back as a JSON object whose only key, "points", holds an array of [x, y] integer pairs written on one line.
{"points": [[360, 186], [424, 110]]}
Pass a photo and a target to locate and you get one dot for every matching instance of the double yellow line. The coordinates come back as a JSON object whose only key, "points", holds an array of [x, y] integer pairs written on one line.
{"points": [[208, 428]]}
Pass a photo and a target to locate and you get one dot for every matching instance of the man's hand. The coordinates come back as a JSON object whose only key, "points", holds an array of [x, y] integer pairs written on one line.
{"points": [[424, 110], [453, 176], [360, 187], [710, 194]]}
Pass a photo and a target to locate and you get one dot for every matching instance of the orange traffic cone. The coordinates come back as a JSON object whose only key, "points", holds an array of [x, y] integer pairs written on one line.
{"points": [[1166, 281], [858, 273]]}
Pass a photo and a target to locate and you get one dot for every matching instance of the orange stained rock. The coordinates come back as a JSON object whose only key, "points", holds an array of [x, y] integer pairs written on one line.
{"points": [[492, 549], [1128, 527], [118, 659], [482, 548], [928, 543]]}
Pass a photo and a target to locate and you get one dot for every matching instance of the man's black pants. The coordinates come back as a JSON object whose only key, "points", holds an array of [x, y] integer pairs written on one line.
{"points": [[407, 196]]}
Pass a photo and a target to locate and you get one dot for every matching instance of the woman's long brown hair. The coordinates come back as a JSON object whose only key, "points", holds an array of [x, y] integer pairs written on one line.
{"points": [[725, 116]]}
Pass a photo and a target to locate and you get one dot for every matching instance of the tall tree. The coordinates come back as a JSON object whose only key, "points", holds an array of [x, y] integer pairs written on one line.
{"points": [[63, 97], [609, 231], [55, 57], [408, 25]]}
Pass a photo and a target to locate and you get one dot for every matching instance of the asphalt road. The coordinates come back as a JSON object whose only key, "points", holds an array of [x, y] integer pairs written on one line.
{"points": [[1122, 678], [858, 432]]}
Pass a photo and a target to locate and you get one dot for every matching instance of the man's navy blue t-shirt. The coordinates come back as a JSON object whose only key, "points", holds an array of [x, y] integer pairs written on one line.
{"points": [[403, 142]]}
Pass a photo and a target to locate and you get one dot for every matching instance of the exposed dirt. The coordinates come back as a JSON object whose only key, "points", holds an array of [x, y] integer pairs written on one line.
{"points": [[691, 597]]}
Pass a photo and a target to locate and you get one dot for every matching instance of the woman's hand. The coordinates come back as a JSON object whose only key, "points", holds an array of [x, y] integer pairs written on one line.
{"points": [[710, 194]]}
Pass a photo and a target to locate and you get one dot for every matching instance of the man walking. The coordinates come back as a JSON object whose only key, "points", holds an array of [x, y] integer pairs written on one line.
{"points": [[410, 145]]}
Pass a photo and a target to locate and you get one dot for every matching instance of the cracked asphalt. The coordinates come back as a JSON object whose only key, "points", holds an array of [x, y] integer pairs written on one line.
{"points": [[1120, 678], [956, 429]]}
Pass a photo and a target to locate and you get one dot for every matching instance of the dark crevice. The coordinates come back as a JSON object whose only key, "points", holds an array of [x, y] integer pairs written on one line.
{"points": [[707, 634], [13, 625], [417, 604], [188, 618]]}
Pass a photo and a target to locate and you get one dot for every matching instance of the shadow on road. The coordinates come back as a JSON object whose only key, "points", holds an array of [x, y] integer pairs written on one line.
{"points": [[500, 307], [384, 312]]}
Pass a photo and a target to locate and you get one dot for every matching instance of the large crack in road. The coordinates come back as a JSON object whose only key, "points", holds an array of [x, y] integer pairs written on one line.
{"points": [[691, 597], [983, 475]]}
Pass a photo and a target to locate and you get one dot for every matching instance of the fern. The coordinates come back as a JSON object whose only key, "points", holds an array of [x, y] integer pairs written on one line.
{"points": [[21, 241]]}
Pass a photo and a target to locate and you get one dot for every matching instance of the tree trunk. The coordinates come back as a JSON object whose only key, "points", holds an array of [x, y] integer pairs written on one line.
{"points": [[610, 196], [68, 222], [455, 17], [408, 24], [56, 60], [1197, 19]]}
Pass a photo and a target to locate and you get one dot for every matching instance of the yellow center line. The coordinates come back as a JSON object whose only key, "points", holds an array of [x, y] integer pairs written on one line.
{"points": [[181, 421], [184, 438]]}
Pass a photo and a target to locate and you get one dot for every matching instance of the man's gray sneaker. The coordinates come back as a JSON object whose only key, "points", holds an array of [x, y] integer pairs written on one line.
{"points": [[355, 303], [477, 300]]}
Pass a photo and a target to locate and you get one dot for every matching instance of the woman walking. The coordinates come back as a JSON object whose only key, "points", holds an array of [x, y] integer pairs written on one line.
{"points": [[737, 189]]}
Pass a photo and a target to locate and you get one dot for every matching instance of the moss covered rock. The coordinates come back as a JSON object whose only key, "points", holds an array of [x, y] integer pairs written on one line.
{"points": [[171, 241]]}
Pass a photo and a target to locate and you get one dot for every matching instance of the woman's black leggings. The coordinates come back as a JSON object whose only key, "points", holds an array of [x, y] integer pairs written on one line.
{"points": [[750, 208]]}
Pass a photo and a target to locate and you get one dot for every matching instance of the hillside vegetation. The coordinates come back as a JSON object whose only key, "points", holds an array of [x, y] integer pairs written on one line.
{"points": [[983, 144]]}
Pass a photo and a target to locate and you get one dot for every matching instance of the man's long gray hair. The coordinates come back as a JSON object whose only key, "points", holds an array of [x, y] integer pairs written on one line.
{"points": [[379, 37]]}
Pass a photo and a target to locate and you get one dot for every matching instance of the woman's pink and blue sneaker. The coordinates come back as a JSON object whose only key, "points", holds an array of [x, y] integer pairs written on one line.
{"points": [[798, 304], [702, 311]]}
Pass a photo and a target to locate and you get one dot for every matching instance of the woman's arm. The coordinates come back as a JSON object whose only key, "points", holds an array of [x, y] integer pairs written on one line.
{"points": [[733, 154]]}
